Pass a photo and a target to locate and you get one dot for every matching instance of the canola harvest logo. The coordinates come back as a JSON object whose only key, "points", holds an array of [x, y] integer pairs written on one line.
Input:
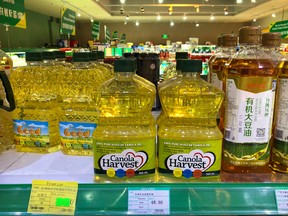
{"points": [[194, 161], [127, 159]]}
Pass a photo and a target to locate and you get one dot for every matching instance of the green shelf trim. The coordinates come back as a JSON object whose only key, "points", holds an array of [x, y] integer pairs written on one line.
{"points": [[185, 198]]}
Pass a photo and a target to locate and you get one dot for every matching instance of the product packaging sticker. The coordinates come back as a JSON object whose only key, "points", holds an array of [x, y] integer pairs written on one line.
{"points": [[53, 197], [282, 200], [31, 133], [149, 201], [189, 159], [215, 81], [249, 114], [126, 158], [76, 135]]}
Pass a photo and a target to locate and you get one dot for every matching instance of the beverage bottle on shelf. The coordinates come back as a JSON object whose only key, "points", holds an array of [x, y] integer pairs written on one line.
{"points": [[216, 73], [271, 42], [78, 118], [279, 153], [35, 120], [250, 93], [6, 123], [124, 140], [217, 50], [190, 142]]}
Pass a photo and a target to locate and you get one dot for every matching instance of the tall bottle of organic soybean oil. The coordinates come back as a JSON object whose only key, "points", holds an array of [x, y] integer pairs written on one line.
{"points": [[190, 142], [250, 93], [124, 140]]}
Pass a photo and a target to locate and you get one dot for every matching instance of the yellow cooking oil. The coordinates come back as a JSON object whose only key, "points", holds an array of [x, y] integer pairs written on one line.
{"points": [[35, 119], [78, 117], [124, 139], [190, 142]]}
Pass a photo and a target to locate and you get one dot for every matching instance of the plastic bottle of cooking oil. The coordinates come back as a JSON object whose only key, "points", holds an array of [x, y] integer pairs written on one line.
{"points": [[190, 142], [216, 73], [6, 125], [78, 118], [279, 153], [35, 120], [217, 50], [124, 140], [250, 94]]}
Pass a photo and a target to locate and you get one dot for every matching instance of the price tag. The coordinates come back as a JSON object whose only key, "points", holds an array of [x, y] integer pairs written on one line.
{"points": [[153, 201], [53, 197], [282, 200]]}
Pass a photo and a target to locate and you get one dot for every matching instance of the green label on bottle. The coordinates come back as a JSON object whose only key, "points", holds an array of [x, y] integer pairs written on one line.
{"points": [[188, 159], [124, 158], [31, 133]]}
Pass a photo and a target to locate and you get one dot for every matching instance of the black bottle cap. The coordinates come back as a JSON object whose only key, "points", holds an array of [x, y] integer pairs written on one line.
{"points": [[181, 55], [100, 55], [93, 56], [80, 57], [191, 65], [125, 65], [33, 56], [59, 54]]}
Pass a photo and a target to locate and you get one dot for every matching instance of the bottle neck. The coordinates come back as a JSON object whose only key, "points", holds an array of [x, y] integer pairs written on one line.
{"points": [[124, 75]]}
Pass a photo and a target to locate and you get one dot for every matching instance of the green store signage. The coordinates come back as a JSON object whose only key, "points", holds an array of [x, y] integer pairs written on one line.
{"points": [[281, 26], [123, 38], [107, 34], [95, 30], [12, 13], [68, 20]]}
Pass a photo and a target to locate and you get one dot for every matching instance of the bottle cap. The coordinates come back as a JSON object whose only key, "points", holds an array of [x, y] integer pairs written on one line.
{"points": [[271, 39], [178, 64], [80, 57], [250, 35], [191, 65], [59, 54], [46, 55], [229, 40], [33, 56], [93, 56], [181, 55], [100, 55], [125, 65]]}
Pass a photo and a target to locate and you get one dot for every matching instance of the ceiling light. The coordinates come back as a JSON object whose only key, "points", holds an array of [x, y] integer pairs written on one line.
{"points": [[212, 17], [171, 23], [79, 15], [254, 20], [125, 23], [160, 1], [122, 1], [239, 1], [197, 25], [273, 15], [137, 23], [91, 20], [127, 17], [184, 17], [158, 17], [253, 1], [121, 11], [225, 11], [142, 9], [197, 9]]}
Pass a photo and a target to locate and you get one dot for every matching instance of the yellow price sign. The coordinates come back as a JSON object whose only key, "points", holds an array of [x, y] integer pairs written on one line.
{"points": [[53, 197]]}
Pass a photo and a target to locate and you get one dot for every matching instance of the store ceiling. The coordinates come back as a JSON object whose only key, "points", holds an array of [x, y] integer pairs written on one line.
{"points": [[148, 10]]}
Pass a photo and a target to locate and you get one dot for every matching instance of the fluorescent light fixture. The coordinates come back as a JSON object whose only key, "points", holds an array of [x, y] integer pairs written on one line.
{"points": [[160, 1], [253, 1], [197, 9], [239, 1], [122, 1]]}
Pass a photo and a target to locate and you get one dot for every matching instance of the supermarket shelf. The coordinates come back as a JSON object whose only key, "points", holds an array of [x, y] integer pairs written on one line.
{"points": [[240, 194]]}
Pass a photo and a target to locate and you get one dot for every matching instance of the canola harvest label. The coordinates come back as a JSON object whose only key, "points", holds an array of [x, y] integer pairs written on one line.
{"points": [[29, 133], [126, 158], [188, 159], [76, 135]]}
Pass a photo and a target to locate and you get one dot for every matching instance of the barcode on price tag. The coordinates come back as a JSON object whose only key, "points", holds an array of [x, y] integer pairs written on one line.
{"points": [[282, 200], [149, 201]]}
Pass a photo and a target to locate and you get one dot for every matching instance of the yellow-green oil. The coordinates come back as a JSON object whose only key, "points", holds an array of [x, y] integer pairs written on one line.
{"points": [[126, 129], [188, 124]]}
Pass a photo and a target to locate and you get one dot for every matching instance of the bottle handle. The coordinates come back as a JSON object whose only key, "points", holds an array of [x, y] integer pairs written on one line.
{"points": [[8, 91]]}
